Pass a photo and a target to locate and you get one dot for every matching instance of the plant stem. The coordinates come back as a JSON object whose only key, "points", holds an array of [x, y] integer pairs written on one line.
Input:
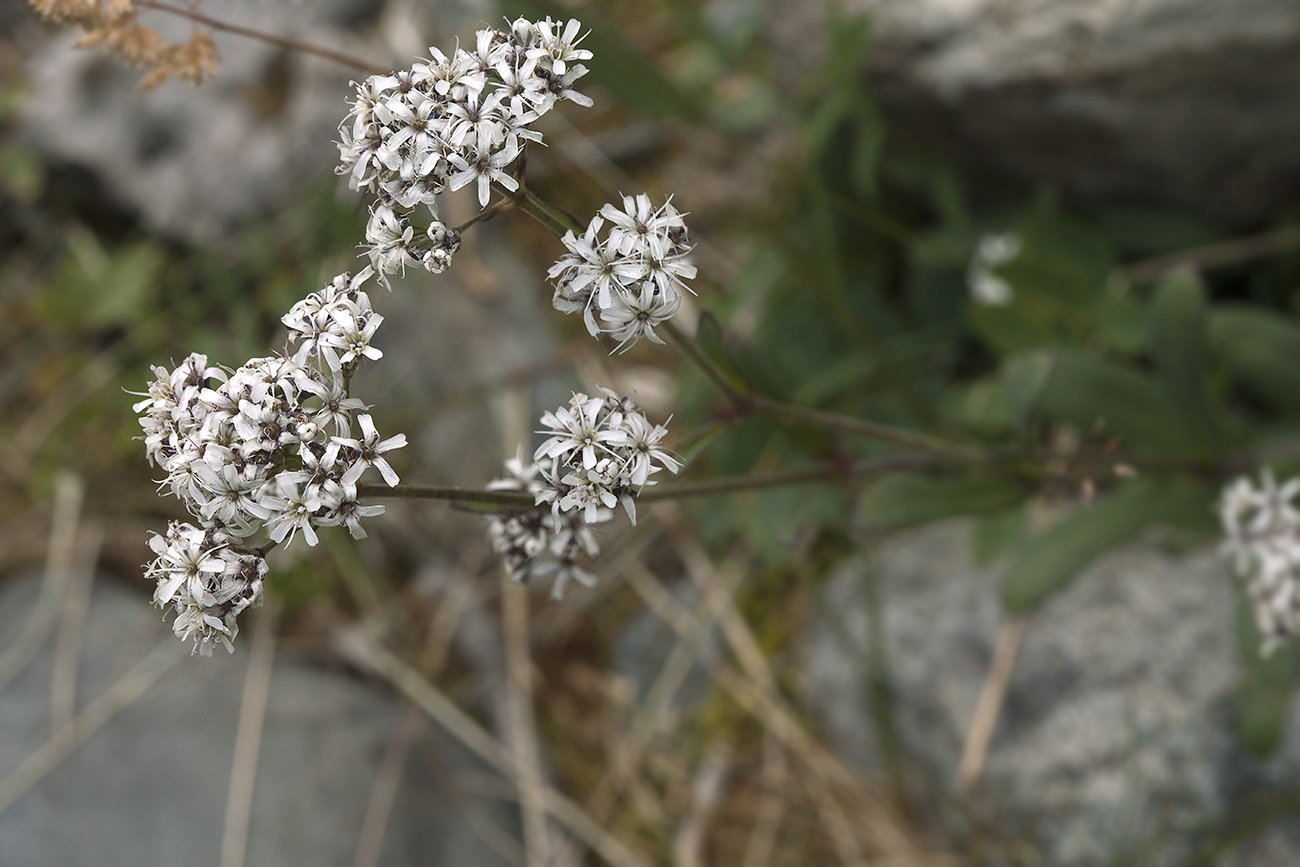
{"points": [[519, 500], [787, 479], [908, 439], [478, 496], [687, 346], [547, 214], [283, 42]]}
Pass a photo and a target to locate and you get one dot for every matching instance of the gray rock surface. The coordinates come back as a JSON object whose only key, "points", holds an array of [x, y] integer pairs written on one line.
{"points": [[1115, 741], [150, 787], [193, 161], [1184, 101]]}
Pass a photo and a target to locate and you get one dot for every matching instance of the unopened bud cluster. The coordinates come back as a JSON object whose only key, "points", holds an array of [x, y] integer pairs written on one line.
{"points": [[450, 122], [267, 447], [601, 454], [629, 276], [1263, 540]]}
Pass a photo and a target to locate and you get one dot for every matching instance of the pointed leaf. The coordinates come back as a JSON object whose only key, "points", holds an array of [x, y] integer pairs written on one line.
{"points": [[1051, 561], [1180, 343], [1126, 403], [1025, 378], [916, 498], [1260, 349]]}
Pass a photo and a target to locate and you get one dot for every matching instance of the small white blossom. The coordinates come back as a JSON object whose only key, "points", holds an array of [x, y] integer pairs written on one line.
{"points": [[992, 251]]}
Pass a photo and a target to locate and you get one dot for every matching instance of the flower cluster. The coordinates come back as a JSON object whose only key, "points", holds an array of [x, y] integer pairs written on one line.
{"points": [[266, 447], [1263, 540], [206, 581], [450, 122], [536, 544], [602, 452], [631, 275]]}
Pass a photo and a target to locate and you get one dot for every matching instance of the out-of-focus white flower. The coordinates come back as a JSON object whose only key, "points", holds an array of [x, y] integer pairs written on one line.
{"points": [[537, 544], [992, 252], [1262, 527]]}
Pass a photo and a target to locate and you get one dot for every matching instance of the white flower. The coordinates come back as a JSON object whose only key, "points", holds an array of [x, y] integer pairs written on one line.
{"points": [[601, 454], [1263, 540], [369, 451], [630, 274], [991, 252]]}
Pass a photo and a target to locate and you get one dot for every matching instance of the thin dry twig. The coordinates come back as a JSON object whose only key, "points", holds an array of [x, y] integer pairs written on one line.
{"points": [[706, 792], [990, 703], [771, 809], [523, 724], [626, 761], [886, 833], [72, 630], [92, 718], [69, 493], [362, 650], [383, 793], [248, 737], [280, 41], [1217, 255]]}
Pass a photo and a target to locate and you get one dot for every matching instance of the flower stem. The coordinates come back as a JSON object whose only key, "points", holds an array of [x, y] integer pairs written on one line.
{"points": [[475, 496], [547, 214], [787, 479], [519, 500], [901, 437], [689, 347]]}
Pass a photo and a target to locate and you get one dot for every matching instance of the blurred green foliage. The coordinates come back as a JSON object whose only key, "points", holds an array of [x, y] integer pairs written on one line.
{"points": [[1117, 397]]}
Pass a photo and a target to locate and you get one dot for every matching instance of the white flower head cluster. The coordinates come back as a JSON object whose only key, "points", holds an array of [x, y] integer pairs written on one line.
{"points": [[1263, 539], [267, 447], [629, 275], [992, 252], [537, 544], [206, 581], [449, 122], [602, 452]]}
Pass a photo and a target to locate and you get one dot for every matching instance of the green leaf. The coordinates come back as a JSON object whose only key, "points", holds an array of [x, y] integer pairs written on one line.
{"points": [[998, 533], [1124, 402], [1051, 561], [1259, 349], [1025, 379], [1180, 344], [906, 499], [1262, 698]]}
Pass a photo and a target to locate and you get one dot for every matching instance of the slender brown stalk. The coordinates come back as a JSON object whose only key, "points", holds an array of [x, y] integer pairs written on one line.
{"points": [[270, 38], [908, 439], [671, 491], [1217, 255], [689, 347], [548, 215]]}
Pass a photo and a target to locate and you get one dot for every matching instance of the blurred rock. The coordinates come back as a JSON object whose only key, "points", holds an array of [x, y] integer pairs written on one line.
{"points": [[1115, 739], [192, 161], [149, 789], [1187, 102]]}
